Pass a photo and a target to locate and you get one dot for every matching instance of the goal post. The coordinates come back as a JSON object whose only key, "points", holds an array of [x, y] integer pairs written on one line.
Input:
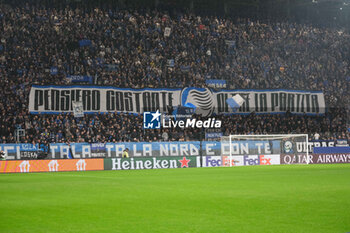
{"points": [[240, 150]]}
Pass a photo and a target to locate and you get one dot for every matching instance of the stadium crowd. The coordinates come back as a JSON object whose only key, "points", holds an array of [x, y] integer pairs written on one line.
{"points": [[44, 45], [124, 127]]}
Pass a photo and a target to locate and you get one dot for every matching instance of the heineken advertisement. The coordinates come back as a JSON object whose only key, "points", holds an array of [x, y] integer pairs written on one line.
{"points": [[95, 99], [150, 163]]}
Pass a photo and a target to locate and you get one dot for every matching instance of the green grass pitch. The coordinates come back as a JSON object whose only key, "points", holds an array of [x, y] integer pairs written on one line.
{"points": [[286, 198]]}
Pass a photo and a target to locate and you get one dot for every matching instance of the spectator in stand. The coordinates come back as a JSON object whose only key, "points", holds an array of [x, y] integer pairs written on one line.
{"points": [[316, 136]]}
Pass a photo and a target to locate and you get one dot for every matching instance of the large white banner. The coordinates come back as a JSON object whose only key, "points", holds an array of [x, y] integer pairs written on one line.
{"points": [[58, 99]]}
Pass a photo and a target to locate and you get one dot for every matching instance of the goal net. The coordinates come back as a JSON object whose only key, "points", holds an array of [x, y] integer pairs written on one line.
{"points": [[243, 150]]}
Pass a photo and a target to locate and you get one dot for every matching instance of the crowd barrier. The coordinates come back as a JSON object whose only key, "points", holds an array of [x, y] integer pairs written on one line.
{"points": [[58, 165]]}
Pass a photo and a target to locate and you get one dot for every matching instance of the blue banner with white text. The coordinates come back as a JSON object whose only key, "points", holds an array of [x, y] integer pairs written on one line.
{"points": [[151, 149]]}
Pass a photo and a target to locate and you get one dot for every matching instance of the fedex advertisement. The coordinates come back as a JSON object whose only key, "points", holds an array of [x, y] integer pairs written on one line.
{"points": [[239, 160]]}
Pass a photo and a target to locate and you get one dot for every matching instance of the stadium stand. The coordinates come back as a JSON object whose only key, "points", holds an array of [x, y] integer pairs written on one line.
{"points": [[44, 45]]}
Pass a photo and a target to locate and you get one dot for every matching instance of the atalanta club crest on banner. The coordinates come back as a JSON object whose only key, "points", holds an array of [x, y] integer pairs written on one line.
{"points": [[151, 120], [288, 147]]}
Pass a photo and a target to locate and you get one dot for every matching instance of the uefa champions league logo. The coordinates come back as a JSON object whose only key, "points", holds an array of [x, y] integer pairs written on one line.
{"points": [[288, 147]]}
